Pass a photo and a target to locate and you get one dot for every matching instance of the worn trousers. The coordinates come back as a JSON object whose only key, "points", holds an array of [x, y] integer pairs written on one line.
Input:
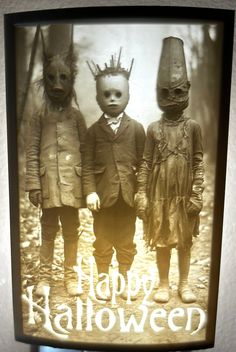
{"points": [[114, 228], [51, 219]]}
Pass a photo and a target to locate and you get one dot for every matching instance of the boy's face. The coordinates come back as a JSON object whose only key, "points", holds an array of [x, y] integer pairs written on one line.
{"points": [[112, 94]]}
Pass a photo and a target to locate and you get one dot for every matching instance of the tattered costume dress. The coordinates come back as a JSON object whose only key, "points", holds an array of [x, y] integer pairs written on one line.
{"points": [[173, 159]]}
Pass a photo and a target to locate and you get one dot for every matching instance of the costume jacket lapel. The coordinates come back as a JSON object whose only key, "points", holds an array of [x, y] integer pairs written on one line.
{"points": [[107, 129], [123, 125]]}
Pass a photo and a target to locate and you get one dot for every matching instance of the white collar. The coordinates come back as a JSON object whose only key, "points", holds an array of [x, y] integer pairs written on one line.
{"points": [[112, 117]]}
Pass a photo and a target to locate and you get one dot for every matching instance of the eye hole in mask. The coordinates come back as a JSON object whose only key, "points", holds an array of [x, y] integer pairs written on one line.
{"points": [[63, 77], [165, 92], [178, 91], [50, 77]]}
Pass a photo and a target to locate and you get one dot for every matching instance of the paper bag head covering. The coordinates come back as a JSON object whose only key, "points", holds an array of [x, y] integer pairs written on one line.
{"points": [[172, 81]]}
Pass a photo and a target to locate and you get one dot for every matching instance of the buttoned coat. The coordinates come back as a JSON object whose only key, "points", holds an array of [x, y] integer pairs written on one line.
{"points": [[53, 158], [111, 160]]}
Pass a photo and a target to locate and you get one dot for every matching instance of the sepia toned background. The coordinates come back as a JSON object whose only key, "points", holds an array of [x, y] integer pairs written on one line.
{"points": [[143, 42], [225, 338]]}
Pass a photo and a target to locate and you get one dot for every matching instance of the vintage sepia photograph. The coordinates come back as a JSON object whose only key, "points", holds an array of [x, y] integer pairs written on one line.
{"points": [[117, 155]]}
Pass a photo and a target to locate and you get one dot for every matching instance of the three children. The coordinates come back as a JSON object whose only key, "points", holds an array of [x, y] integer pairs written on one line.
{"points": [[170, 178]]}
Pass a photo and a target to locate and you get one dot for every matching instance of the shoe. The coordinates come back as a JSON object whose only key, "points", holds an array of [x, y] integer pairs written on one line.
{"points": [[42, 288], [162, 295], [72, 289], [124, 293], [123, 270], [103, 295], [186, 294]]}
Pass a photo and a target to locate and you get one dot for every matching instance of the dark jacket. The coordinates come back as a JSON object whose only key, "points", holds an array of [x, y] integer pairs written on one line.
{"points": [[111, 160], [53, 158]]}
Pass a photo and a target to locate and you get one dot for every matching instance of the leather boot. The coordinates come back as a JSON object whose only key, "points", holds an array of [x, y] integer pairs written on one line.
{"points": [[105, 293], [185, 292], [70, 275], [45, 267], [163, 265]]}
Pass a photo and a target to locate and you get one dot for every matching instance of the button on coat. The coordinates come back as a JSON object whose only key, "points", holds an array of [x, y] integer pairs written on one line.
{"points": [[53, 159], [111, 160]]}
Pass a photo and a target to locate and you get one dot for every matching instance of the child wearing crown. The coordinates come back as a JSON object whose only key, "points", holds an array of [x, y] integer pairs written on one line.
{"points": [[170, 180], [113, 150]]}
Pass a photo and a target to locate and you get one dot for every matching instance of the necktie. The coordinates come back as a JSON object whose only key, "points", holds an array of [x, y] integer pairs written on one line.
{"points": [[114, 122]]}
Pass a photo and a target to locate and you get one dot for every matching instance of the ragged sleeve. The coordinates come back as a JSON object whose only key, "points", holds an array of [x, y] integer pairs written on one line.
{"points": [[146, 162], [88, 177], [82, 129], [32, 180], [140, 142], [197, 163]]}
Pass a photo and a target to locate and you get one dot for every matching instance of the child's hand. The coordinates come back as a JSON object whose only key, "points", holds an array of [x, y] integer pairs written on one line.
{"points": [[93, 201], [142, 214], [141, 205], [194, 206], [35, 197]]}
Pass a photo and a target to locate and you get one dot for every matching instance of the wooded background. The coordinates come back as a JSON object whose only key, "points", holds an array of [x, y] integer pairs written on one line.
{"points": [[225, 336]]}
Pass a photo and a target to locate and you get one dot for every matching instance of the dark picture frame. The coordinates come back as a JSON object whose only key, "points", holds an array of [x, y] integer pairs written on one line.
{"points": [[17, 100]]}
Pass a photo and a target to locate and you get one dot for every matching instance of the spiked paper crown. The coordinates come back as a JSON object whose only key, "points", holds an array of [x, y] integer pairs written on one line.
{"points": [[113, 69]]}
